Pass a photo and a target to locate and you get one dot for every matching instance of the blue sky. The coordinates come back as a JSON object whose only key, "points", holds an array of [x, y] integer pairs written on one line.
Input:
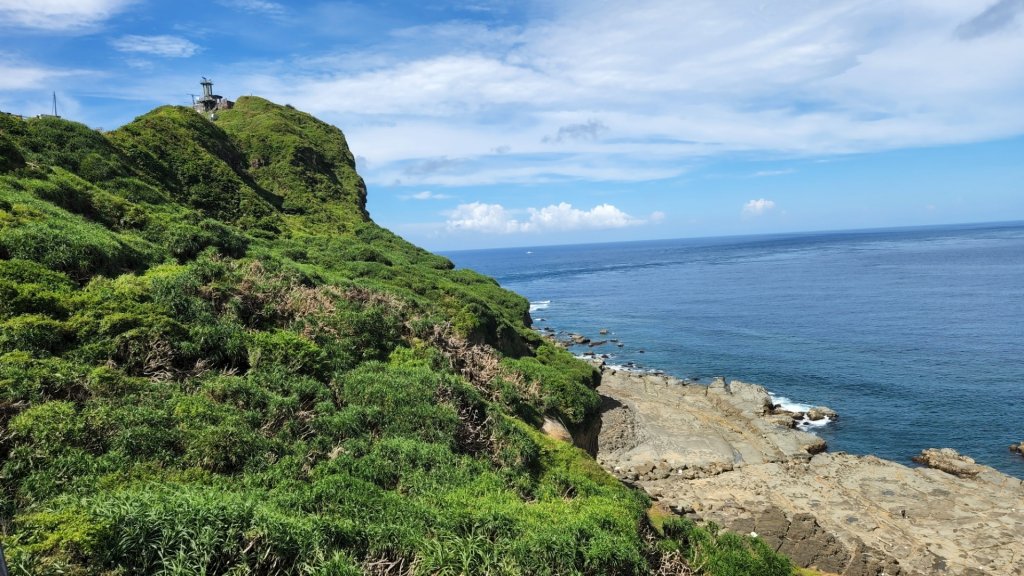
{"points": [[480, 123]]}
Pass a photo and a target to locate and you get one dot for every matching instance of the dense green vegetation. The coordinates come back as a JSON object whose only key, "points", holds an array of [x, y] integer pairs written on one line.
{"points": [[213, 362]]}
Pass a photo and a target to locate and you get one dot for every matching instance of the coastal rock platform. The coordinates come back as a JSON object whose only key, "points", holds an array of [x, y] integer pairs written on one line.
{"points": [[723, 453]]}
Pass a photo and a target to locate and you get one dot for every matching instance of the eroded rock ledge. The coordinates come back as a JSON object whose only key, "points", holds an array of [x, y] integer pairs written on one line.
{"points": [[721, 453]]}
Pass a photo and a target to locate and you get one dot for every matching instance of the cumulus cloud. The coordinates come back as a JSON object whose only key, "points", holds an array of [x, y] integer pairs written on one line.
{"points": [[562, 217], [480, 217], [59, 15], [758, 207], [161, 45]]}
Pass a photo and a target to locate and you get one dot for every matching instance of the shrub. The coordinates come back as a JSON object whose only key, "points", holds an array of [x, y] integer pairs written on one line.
{"points": [[33, 333], [27, 381], [716, 552], [288, 350], [49, 426], [398, 401], [17, 298], [566, 384], [29, 272], [73, 246], [10, 155], [199, 530], [74, 147]]}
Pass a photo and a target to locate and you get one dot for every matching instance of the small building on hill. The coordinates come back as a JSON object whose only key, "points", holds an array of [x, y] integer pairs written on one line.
{"points": [[210, 102]]}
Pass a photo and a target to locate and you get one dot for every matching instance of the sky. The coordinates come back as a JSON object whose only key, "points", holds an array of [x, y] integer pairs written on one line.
{"points": [[482, 123]]}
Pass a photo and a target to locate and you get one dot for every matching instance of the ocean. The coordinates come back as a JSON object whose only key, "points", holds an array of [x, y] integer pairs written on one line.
{"points": [[914, 336]]}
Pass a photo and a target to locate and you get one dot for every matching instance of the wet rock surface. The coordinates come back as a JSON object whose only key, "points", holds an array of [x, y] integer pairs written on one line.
{"points": [[724, 453]]}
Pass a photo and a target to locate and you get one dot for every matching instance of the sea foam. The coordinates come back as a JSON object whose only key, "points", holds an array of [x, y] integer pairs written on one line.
{"points": [[791, 406]]}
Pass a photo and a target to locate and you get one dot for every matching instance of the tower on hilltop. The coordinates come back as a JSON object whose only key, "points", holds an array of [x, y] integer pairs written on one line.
{"points": [[210, 102]]}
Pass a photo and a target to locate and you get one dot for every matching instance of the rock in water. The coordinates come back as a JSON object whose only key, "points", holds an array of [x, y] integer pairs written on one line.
{"points": [[1018, 448], [821, 412], [579, 339], [949, 461]]}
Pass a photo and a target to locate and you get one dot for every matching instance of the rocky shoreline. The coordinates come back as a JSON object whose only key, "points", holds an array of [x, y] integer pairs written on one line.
{"points": [[725, 453]]}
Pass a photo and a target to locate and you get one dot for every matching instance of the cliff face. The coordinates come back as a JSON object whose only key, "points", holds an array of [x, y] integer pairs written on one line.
{"points": [[213, 361]]}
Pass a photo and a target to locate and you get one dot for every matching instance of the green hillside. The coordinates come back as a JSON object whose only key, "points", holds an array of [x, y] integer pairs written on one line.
{"points": [[213, 362]]}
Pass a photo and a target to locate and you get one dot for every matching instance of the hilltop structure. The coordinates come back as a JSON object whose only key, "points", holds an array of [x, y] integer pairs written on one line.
{"points": [[210, 102]]}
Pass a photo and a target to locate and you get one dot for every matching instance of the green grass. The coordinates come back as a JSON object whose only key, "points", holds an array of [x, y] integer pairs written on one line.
{"points": [[213, 362]]}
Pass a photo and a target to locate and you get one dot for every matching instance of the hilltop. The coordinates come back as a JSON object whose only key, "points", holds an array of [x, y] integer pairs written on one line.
{"points": [[213, 361]]}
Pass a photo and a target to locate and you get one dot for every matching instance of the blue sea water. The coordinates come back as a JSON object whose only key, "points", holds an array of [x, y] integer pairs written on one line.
{"points": [[915, 336]]}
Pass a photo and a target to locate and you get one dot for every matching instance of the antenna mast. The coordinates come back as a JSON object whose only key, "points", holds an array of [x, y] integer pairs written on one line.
{"points": [[55, 104]]}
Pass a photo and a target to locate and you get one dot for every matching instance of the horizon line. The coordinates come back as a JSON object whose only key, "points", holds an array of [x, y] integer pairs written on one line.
{"points": [[957, 225]]}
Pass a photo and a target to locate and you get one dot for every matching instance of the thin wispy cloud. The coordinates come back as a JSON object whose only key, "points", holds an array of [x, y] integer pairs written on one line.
{"points": [[590, 130], [257, 6], [162, 45], [430, 166], [59, 15], [996, 17], [822, 78], [28, 77], [768, 173], [426, 195]]}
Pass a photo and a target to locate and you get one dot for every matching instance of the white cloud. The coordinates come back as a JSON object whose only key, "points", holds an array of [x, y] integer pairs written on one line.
{"points": [[59, 15], [258, 6], [678, 81], [758, 207], [427, 195], [480, 217], [766, 173], [23, 76], [562, 217], [161, 45]]}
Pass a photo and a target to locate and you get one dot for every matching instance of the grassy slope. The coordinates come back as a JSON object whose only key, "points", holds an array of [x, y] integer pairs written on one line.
{"points": [[213, 362]]}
